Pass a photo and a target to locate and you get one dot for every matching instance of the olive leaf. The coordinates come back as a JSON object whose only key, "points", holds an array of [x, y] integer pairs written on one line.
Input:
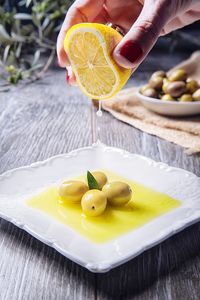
{"points": [[45, 23], [4, 36], [92, 183], [28, 37], [28, 2], [22, 16], [36, 57], [6, 53]]}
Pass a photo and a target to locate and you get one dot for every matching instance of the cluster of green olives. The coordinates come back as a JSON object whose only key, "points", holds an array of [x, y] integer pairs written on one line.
{"points": [[176, 86], [94, 201]]}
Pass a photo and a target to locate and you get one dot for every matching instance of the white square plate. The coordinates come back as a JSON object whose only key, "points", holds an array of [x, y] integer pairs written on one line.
{"points": [[17, 185]]}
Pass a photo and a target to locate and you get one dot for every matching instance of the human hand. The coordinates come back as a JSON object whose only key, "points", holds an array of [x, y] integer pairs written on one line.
{"points": [[142, 22]]}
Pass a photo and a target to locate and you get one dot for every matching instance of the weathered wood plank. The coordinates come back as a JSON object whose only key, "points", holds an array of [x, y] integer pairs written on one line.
{"points": [[167, 271], [43, 120], [31, 270]]}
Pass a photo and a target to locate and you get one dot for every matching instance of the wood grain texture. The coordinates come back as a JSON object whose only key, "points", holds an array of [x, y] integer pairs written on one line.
{"points": [[48, 118]]}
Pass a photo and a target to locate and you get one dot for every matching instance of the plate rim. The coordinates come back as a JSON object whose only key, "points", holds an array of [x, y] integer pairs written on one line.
{"points": [[98, 144]]}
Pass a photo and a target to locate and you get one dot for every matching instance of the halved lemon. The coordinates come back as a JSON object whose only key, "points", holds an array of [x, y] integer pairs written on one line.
{"points": [[89, 47]]}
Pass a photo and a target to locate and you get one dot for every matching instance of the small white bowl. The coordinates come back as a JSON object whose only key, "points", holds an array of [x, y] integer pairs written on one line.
{"points": [[170, 108]]}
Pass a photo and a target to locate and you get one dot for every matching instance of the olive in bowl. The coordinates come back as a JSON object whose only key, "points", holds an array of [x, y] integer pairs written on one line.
{"points": [[179, 94], [196, 95], [191, 85], [150, 92], [175, 86], [156, 82], [177, 75], [167, 97], [185, 98]]}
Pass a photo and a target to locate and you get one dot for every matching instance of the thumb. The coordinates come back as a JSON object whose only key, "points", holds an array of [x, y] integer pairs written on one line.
{"points": [[141, 37]]}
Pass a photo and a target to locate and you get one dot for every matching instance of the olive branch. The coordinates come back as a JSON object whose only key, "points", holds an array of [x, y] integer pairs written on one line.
{"points": [[28, 32]]}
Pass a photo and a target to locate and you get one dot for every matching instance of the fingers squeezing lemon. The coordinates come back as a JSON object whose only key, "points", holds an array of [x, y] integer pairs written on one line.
{"points": [[89, 47]]}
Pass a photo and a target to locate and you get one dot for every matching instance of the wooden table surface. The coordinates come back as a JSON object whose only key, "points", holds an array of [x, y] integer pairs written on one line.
{"points": [[47, 118]]}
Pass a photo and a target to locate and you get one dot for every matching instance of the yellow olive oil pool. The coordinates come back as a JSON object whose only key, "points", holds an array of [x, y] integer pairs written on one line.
{"points": [[145, 205]]}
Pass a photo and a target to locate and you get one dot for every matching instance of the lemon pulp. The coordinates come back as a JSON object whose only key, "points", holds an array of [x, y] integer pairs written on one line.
{"points": [[146, 205], [89, 48]]}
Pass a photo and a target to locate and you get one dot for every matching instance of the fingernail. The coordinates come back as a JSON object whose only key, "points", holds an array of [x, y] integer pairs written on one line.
{"points": [[131, 51], [67, 77]]}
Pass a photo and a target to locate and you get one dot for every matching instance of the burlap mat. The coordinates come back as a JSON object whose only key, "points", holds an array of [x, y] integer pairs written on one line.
{"points": [[181, 131]]}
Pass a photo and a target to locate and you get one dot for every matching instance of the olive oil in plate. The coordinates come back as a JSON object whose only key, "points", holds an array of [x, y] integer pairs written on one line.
{"points": [[145, 205]]}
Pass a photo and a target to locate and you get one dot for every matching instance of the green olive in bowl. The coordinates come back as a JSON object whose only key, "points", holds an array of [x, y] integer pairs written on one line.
{"points": [[159, 73], [176, 88], [191, 85], [150, 92], [93, 203], [167, 97], [165, 85], [185, 98], [117, 193], [156, 82], [72, 191], [144, 88], [177, 75], [196, 95], [100, 177]]}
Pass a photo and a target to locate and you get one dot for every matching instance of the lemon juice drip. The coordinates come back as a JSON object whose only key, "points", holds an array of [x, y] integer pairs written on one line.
{"points": [[99, 115], [99, 112], [97, 122]]}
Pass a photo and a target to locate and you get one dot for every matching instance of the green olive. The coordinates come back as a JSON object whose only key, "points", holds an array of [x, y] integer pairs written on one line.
{"points": [[196, 95], [150, 92], [176, 88], [159, 74], [185, 98], [167, 97], [94, 203], [72, 191], [177, 75], [118, 193], [100, 177], [156, 82], [165, 85], [144, 88], [191, 85]]}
